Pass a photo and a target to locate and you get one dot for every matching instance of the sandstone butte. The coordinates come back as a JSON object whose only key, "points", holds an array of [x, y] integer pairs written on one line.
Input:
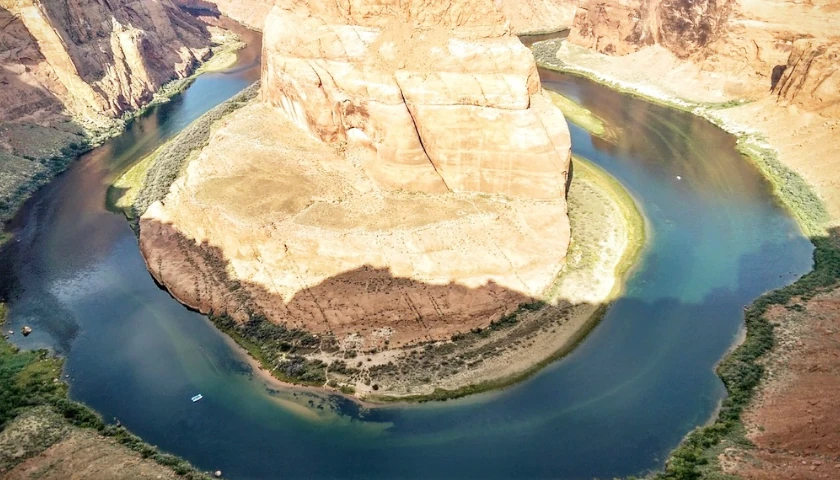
{"points": [[91, 60], [401, 179]]}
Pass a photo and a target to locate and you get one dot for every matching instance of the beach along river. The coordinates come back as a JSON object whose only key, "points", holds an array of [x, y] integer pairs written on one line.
{"points": [[615, 406]]}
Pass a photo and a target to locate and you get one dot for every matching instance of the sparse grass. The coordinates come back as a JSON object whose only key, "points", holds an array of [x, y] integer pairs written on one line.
{"points": [[578, 114], [123, 192], [789, 186], [277, 348], [585, 170], [168, 163]]}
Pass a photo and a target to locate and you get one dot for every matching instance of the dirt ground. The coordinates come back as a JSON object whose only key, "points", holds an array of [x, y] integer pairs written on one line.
{"points": [[40, 444], [795, 419]]}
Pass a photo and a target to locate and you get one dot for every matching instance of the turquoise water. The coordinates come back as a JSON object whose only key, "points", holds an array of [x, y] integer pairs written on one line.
{"points": [[615, 406]]}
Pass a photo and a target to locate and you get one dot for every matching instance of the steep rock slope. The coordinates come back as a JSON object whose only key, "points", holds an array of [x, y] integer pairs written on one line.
{"points": [[91, 58], [401, 180]]}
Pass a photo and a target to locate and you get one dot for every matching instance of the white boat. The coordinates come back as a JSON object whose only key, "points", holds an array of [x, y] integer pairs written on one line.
{"points": [[198, 397]]}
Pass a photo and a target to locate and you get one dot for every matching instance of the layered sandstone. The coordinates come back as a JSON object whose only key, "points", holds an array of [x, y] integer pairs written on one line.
{"points": [[402, 179], [430, 99], [91, 59], [743, 49]]}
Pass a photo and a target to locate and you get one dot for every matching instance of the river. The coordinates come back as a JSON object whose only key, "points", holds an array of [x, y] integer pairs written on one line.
{"points": [[615, 406]]}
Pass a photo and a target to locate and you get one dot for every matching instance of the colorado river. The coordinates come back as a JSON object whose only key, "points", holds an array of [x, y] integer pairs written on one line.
{"points": [[615, 406]]}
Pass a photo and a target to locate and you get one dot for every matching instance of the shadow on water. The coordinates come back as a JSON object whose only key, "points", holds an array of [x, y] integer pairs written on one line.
{"points": [[615, 406]]}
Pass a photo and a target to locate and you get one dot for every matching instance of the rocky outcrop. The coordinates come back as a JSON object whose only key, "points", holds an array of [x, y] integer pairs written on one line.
{"points": [[402, 179], [290, 229], [91, 58], [740, 48], [683, 26], [429, 99], [811, 77]]}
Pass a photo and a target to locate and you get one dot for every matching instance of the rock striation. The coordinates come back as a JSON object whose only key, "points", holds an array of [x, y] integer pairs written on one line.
{"points": [[811, 77], [91, 59], [401, 179], [430, 98]]}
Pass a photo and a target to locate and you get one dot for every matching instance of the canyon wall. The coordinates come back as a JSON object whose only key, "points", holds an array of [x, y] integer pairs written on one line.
{"points": [[401, 179], [747, 49], [91, 58], [524, 16]]}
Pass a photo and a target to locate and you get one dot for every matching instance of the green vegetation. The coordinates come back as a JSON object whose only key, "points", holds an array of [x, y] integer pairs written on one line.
{"points": [[585, 170], [695, 457], [741, 372], [277, 348], [123, 192], [40, 153], [173, 156], [30, 379], [440, 394], [579, 115], [21, 176], [789, 186]]}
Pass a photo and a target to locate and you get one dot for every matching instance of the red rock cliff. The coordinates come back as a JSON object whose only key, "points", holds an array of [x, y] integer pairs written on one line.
{"points": [[92, 57]]}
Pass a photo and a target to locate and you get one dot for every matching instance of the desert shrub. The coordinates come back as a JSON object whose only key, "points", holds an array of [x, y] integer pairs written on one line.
{"points": [[171, 160]]}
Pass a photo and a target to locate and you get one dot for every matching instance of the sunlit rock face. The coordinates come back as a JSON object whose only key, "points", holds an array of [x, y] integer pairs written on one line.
{"points": [[749, 49], [91, 58], [400, 179], [434, 96]]}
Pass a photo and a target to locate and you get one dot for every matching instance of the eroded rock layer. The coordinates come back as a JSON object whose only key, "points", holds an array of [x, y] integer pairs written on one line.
{"points": [[401, 179], [91, 57]]}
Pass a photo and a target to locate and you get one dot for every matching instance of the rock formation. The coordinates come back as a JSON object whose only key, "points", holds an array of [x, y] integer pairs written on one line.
{"points": [[746, 46], [811, 77], [432, 100], [402, 179], [683, 26], [91, 58]]}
